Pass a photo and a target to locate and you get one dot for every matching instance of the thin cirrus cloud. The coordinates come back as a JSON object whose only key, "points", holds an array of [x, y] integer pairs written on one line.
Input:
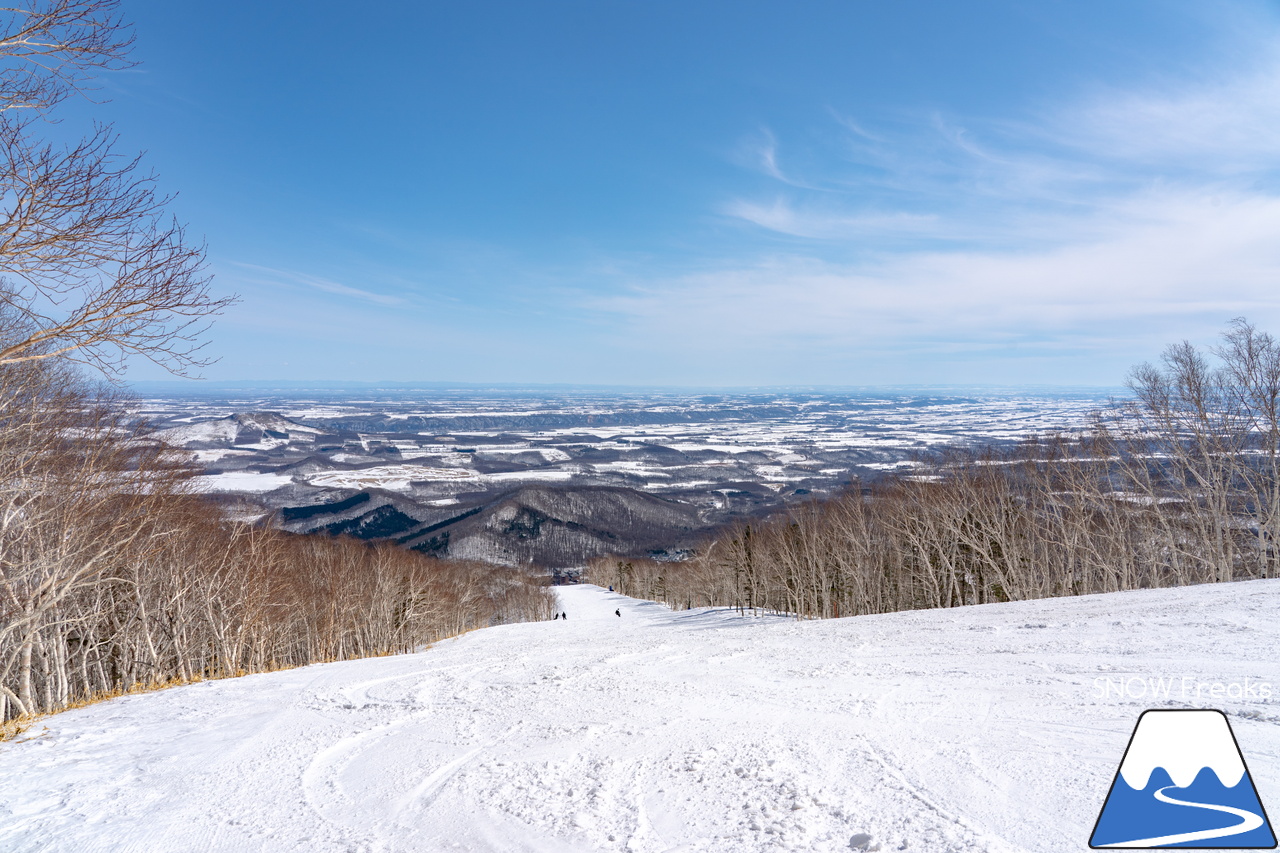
{"points": [[1200, 255], [1228, 126], [288, 278], [1147, 212], [760, 153], [1178, 266], [782, 216]]}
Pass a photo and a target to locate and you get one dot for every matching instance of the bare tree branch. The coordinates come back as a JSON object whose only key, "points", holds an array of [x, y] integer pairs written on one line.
{"points": [[88, 257]]}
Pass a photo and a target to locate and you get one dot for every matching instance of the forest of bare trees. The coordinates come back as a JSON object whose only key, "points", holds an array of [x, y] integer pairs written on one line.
{"points": [[113, 575], [1179, 485]]}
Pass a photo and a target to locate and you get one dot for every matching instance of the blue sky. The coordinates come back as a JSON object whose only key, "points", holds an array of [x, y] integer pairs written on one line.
{"points": [[715, 193]]}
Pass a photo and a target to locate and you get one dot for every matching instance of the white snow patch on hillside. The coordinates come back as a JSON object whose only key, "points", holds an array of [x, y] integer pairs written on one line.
{"points": [[217, 454], [276, 422], [393, 477], [539, 475], [240, 481], [223, 429], [631, 466], [972, 729]]}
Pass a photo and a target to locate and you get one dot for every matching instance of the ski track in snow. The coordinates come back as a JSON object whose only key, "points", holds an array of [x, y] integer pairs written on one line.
{"points": [[972, 729]]}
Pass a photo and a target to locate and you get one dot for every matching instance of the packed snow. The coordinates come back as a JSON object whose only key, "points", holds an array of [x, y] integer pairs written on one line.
{"points": [[992, 728]]}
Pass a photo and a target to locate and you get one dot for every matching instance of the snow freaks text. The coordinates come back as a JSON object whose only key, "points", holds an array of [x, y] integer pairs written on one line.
{"points": [[1178, 687]]}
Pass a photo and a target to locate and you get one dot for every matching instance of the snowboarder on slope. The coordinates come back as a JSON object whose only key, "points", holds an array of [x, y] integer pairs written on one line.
{"points": [[618, 613]]}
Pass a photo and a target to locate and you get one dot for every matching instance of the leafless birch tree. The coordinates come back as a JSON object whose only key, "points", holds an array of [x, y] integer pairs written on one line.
{"points": [[89, 259]]}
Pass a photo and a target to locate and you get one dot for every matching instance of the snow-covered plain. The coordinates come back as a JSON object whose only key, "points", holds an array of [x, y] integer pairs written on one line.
{"points": [[239, 481], [394, 477], [670, 443], [975, 729]]}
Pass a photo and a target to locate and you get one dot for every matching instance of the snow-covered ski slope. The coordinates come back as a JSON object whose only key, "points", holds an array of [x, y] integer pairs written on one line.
{"points": [[974, 729]]}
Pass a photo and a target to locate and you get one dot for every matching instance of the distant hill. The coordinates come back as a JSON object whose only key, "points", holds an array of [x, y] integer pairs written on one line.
{"points": [[556, 527], [238, 429]]}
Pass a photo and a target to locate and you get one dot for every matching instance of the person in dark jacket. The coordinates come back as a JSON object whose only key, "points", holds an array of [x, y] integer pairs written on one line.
{"points": [[618, 613]]}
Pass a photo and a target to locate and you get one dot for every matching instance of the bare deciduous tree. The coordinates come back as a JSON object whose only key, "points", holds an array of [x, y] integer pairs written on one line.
{"points": [[88, 257]]}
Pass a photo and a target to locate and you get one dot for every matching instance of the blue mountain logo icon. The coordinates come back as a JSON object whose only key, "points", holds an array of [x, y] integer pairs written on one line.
{"points": [[1183, 783]]}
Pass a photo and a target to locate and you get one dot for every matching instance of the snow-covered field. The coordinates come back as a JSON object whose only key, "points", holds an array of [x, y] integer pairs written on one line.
{"points": [[976, 729], [239, 481], [394, 477], [762, 448]]}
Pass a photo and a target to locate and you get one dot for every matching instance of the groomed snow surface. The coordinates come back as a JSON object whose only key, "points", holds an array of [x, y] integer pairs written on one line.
{"points": [[975, 729]]}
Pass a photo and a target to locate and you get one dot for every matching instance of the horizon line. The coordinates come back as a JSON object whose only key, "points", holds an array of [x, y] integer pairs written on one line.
{"points": [[201, 386]]}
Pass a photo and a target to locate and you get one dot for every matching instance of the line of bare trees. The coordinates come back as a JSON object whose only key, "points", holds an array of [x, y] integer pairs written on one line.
{"points": [[114, 576], [1180, 485]]}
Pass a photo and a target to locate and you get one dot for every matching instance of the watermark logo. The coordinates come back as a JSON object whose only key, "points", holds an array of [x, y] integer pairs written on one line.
{"points": [[1185, 688], [1183, 783]]}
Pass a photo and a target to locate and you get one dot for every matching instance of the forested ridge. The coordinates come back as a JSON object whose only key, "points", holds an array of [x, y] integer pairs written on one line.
{"points": [[1179, 485]]}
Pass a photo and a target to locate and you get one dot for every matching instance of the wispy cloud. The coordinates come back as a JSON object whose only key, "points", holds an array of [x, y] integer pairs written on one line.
{"points": [[1182, 264], [785, 217], [270, 275], [966, 177], [1123, 212], [1228, 125], [759, 153]]}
